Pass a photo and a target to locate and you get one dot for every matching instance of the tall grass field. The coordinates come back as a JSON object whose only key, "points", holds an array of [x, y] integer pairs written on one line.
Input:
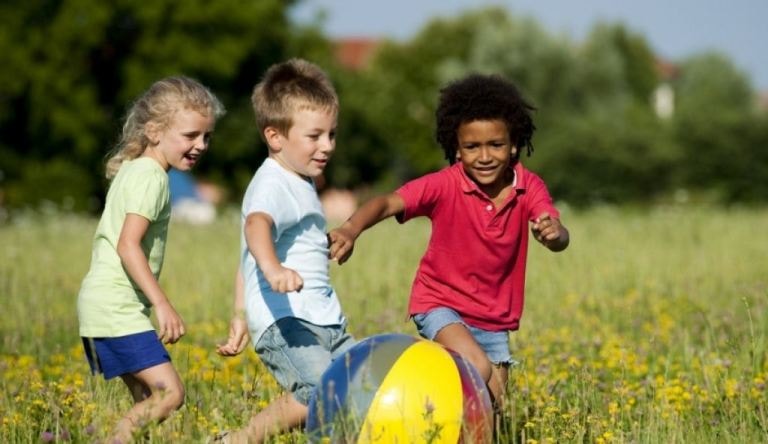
{"points": [[650, 328]]}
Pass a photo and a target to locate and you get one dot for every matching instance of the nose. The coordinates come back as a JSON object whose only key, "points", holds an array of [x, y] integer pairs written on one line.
{"points": [[328, 145], [485, 154], [201, 143]]}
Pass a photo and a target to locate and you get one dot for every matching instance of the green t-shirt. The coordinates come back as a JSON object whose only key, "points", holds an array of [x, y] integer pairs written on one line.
{"points": [[109, 303]]}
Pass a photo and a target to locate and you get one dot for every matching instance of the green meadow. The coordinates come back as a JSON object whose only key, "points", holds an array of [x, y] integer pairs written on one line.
{"points": [[650, 328]]}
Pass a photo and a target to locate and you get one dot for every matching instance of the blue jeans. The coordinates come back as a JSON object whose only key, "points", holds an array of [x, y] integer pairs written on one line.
{"points": [[495, 344], [298, 352]]}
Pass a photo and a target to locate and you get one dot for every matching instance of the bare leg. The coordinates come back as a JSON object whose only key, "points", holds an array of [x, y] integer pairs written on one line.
{"points": [[283, 414], [138, 390], [459, 339], [157, 391], [497, 384]]}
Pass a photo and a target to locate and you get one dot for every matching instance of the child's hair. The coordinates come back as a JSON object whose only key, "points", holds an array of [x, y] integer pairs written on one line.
{"points": [[289, 87], [159, 104], [482, 97]]}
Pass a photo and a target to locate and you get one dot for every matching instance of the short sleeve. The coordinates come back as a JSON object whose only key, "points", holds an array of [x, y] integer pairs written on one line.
{"points": [[269, 197], [146, 193], [539, 199], [420, 196]]}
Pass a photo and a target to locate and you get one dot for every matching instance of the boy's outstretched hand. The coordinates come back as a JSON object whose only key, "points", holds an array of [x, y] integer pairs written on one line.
{"points": [[550, 232], [237, 340], [341, 244]]}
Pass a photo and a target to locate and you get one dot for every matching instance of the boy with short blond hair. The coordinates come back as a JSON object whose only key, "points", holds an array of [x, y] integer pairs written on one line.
{"points": [[283, 287]]}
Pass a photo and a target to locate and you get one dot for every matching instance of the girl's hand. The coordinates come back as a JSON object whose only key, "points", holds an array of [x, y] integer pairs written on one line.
{"points": [[170, 326], [283, 280], [238, 337]]}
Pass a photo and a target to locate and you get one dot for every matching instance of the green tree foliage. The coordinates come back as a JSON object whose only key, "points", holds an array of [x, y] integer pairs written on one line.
{"points": [[71, 67], [722, 138]]}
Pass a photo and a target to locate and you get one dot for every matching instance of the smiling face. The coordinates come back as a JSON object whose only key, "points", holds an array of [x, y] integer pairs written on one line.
{"points": [[309, 144], [486, 152], [182, 142]]}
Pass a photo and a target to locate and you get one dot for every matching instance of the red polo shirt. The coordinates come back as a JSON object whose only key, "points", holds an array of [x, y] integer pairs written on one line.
{"points": [[475, 260]]}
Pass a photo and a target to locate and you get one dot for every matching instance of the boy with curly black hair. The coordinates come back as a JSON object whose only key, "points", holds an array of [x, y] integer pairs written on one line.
{"points": [[468, 290]]}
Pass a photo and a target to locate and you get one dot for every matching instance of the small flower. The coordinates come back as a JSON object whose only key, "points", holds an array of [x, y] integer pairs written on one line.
{"points": [[47, 436]]}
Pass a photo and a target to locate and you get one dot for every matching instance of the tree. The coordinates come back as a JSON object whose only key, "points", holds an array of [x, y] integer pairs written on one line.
{"points": [[71, 68], [716, 125]]}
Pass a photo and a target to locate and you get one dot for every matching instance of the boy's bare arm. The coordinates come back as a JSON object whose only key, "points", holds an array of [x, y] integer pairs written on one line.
{"points": [[258, 236], [550, 232], [342, 239]]}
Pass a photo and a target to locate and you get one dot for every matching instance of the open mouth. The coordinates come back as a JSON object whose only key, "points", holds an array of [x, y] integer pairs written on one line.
{"points": [[485, 171]]}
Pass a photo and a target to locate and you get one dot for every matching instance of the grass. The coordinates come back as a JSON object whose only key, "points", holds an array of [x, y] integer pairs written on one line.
{"points": [[650, 328]]}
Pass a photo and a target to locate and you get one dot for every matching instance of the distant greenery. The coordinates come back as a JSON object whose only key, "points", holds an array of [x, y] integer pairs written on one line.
{"points": [[70, 68]]}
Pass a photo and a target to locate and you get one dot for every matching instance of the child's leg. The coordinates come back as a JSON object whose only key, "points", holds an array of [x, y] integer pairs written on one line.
{"points": [[497, 384], [283, 414], [138, 390], [297, 353], [157, 391], [458, 338]]}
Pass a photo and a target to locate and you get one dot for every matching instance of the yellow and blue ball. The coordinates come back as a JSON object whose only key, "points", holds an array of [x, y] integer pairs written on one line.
{"points": [[396, 388]]}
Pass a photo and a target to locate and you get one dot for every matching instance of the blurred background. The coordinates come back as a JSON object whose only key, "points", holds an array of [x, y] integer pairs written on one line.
{"points": [[638, 105]]}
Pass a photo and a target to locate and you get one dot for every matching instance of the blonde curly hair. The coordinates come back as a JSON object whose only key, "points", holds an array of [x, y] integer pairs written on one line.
{"points": [[159, 104]]}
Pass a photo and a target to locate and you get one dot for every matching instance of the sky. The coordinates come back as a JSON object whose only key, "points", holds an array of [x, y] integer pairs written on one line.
{"points": [[674, 29]]}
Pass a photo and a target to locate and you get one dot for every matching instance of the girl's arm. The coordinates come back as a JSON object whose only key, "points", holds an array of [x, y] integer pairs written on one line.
{"points": [[238, 326], [258, 236], [342, 239], [170, 325]]}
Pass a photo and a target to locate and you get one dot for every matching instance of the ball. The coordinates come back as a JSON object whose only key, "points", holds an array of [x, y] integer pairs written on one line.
{"points": [[395, 388]]}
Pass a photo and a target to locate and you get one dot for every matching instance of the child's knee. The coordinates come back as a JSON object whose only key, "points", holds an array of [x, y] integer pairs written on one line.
{"points": [[482, 364], [178, 396], [172, 398]]}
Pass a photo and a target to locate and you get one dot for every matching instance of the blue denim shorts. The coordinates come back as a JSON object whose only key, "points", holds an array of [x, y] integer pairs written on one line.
{"points": [[125, 354], [298, 352], [494, 343]]}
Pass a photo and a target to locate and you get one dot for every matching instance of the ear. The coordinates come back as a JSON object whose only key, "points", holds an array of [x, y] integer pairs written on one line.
{"points": [[273, 138], [152, 132]]}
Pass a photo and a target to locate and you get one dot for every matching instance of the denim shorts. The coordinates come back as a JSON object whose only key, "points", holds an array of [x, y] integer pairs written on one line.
{"points": [[494, 343], [298, 352], [125, 354]]}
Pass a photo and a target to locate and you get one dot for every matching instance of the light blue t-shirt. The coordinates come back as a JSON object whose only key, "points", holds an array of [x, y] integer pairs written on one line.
{"points": [[301, 243]]}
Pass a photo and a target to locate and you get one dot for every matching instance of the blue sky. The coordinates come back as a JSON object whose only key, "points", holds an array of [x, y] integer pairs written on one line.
{"points": [[674, 29]]}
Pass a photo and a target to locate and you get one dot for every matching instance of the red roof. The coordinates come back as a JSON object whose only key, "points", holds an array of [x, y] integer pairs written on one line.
{"points": [[355, 52]]}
